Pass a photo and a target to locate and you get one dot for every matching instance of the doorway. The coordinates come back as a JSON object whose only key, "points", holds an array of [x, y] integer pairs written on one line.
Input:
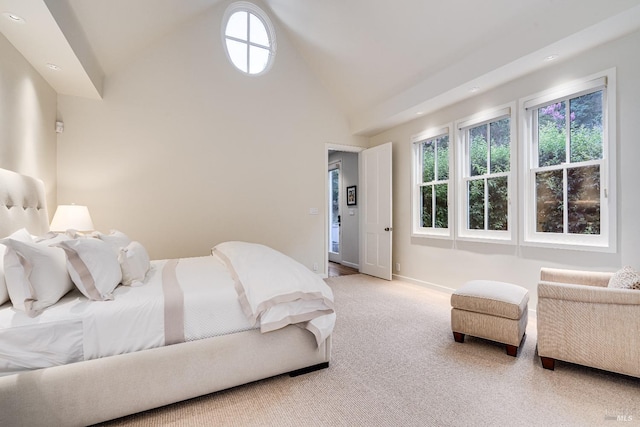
{"points": [[366, 224], [342, 228]]}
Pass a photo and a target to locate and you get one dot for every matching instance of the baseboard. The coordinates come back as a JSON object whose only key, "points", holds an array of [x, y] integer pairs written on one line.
{"points": [[424, 284], [351, 264]]}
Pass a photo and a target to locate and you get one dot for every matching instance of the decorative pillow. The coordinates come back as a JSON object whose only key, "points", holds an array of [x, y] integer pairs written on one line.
{"points": [[75, 234], [36, 275], [22, 235], [4, 293], [116, 239], [93, 267], [134, 262], [626, 278], [52, 238]]}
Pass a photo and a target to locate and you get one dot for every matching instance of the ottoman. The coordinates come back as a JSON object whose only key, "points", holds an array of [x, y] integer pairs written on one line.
{"points": [[492, 310]]}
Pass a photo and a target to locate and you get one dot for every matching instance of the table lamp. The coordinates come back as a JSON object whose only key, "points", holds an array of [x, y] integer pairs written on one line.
{"points": [[74, 217]]}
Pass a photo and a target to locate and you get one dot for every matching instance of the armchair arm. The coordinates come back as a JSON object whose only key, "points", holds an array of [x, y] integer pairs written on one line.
{"points": [[587, 294], [579, 277]]}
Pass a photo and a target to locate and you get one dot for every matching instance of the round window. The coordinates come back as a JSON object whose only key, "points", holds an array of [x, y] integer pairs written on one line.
{"points": [[249, 38]]}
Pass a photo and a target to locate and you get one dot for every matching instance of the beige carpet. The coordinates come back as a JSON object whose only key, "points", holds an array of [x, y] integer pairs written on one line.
{"points": [[395, 363]]}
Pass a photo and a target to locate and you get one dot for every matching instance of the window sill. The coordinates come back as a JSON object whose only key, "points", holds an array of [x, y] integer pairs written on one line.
{"points": [[572, 246], [444, 235]]}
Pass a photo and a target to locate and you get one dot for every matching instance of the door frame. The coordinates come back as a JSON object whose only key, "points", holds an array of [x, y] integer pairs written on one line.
{"points": [[327, 148]]}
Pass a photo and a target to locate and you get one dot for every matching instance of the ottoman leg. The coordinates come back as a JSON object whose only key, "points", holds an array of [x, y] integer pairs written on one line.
{"points": [[548, 362], [459, 337], [512, 350]]}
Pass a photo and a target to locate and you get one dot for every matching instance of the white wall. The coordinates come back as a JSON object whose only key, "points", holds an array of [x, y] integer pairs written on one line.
{"points": [[185, 152], [350, 223], [450, 264], [27, 120]]}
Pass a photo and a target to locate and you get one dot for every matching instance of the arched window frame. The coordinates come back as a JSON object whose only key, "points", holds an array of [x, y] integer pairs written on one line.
{"points": [[252, 11]]}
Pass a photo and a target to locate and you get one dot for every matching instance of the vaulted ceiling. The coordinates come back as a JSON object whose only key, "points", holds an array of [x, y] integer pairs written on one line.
{"points": [[383, 61]]}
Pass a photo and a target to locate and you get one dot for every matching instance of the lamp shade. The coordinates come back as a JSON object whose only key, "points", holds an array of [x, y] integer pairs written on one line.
{"points": [[74, 217]]}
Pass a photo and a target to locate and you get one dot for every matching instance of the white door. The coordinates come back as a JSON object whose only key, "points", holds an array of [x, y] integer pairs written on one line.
{"points": [[375, 216], [335, 230]]}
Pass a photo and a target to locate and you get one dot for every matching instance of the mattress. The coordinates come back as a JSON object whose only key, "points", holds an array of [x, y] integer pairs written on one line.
{"points": [[77, 329]]}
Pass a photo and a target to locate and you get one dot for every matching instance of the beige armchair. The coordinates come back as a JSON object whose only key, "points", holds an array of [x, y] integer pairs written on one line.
{"points": [[582, 321]]}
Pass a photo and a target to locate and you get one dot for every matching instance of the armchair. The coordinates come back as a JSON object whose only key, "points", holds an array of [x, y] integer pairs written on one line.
{"points": [[582, 321]]}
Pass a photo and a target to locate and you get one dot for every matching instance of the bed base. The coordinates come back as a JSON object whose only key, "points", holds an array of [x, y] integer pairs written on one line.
{"points": [[98, 390]]}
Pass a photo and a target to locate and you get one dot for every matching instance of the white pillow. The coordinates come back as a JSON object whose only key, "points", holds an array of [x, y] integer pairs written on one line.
{"points": [[22, 235], [134, 262], [36, 275], [93, 267], [626, 278], [52, 238], [116, 239], [4, 293]]}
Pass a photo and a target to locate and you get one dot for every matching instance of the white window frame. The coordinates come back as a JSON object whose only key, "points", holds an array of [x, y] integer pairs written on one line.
{"points": [[416, 184], [462, 127], [606, 240], [252, 9]]}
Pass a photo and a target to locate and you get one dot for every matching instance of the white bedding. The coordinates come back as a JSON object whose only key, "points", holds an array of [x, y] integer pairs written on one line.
{"points": [[275, 290], [76, 329]]}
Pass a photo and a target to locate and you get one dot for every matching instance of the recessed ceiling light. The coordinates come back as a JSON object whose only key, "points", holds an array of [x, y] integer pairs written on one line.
{"points": [[53, 67], [551, 57], [13, 17], [418, 113], [474, 89]]}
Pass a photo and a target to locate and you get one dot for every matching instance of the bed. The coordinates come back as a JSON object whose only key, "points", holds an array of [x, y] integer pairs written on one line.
{"points": [[110, 386]]}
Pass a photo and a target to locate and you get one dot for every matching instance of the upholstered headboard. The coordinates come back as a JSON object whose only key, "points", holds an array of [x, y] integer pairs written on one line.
{"points": [[22, 204]]}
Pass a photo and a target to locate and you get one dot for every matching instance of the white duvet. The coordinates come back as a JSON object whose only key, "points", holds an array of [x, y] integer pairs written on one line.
{"points": [[76, 329], [275, 290]]}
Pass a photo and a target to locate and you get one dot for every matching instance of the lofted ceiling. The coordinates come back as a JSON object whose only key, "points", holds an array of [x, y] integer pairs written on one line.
{"points": [[383, 61]]}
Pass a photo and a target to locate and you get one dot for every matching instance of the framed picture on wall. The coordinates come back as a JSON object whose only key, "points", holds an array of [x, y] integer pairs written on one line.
{"points": [[352, 199]]}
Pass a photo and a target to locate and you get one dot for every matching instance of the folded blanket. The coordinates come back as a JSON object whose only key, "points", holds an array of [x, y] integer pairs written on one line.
{"points": [[277, 291]]}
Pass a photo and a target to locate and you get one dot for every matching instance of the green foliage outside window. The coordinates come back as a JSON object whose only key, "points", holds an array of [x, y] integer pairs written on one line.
{"points": [[583, 182], [489, 153], [435, 161]]}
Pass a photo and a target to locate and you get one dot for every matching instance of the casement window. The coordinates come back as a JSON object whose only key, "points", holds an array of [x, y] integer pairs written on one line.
{"points": [[568, 139], [432, 189], [486, 167]]}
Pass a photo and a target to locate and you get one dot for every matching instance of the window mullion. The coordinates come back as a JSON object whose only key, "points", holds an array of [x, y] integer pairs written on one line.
{"points": [[567, 124], [535, 147], [435, 179], [486, 203], [565, 169], [435, 158], [565, 200], [486, 180], [488, 148], [433, 206]]}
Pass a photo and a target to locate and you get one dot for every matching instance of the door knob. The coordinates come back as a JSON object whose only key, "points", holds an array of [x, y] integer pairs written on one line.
{"points": [[388, 229]]}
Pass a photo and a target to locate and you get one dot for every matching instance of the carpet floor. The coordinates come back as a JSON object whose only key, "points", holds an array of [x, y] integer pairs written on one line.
{"points": [[395, 363]]}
